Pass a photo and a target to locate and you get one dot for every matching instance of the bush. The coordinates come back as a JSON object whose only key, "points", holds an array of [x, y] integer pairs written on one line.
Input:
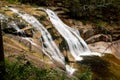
{"points": [[108, 10], [90, 10], [86, 75], [19, 71], [36, 2]]}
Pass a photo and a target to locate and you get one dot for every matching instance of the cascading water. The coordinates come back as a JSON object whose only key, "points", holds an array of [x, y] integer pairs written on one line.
{"points": [[49, 47], [2, 17], [13, 24], [76, 44]]}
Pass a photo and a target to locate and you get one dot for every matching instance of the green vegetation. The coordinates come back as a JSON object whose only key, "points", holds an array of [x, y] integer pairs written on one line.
{"points": [[93, 10], [12, 1], [91, 68], [100, 12], [86, 10], [86, 75], [18, 71]]}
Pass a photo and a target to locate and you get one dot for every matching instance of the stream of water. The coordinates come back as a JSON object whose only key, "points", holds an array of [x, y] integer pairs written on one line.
{"points": [[49, 47], [77, 46]]}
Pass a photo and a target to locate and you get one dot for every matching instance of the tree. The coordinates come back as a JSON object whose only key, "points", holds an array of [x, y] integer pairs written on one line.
{"points": [[2, 63]]}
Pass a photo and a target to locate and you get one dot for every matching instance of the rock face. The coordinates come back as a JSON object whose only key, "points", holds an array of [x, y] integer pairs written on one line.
{"points": [[106, 47], [115, 46], [23, 28], [106, 33], [101, 47], [100, 40], [91, 34], [88, 33], [97, 38]]}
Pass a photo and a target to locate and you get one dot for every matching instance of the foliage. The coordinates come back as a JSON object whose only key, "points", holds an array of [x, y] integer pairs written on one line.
{"points": [[18, 71], [91, 10], [12, 1], [87, 75], [24, 70], [88, 10], [37, 2]]}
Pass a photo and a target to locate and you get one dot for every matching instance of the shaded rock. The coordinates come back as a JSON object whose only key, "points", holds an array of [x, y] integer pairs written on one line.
{"points": [[28, 33], [46, 23], [9, 30], [87, 34], [21, 25], [22, 29], [101, 30], [98, 37], [115, 37], [115, 33]]}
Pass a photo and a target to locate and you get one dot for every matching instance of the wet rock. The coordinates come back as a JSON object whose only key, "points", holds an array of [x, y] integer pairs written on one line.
{"points": [[29, 33], [46, 23], [25, 31], [21, 26], [9, 30], [9, 13]]}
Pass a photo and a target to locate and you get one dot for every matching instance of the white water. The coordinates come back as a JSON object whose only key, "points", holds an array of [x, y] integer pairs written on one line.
{"points": [[2, 17], [49, 46], [13, 24], [77, 45]]}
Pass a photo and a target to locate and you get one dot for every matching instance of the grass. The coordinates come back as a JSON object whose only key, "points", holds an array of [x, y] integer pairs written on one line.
{"points": [[26, 71], [22, 69], [87, 75], [12, 1]]}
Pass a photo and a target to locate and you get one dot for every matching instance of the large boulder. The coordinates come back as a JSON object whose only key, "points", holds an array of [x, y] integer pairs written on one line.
{"points": [[97, 38]]}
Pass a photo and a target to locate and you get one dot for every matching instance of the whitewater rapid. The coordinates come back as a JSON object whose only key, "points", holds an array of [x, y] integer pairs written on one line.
{"points": [[77, 45], [49, 47]]}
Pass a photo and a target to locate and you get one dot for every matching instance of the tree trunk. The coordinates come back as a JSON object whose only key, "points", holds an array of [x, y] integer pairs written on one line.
{"points": [[2, 63]]}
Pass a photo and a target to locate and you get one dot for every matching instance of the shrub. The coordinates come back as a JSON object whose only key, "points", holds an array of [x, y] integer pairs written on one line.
{"points": [[86, 75], [108, 10], [19, 71]]}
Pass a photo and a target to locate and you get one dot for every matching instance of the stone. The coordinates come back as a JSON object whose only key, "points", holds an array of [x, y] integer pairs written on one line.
{"points": [[98, 37], [88, 33]]}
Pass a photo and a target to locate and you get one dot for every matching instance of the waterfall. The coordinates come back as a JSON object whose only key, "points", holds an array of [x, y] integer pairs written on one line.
{"points": [[14, 25], [2, 17], [49, 47], [77, 45]]}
